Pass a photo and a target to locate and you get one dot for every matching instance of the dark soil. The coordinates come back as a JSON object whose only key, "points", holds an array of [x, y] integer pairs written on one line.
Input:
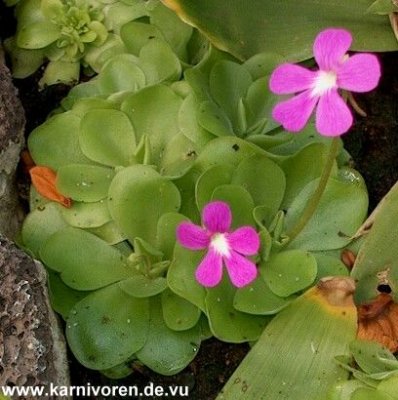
{"points": [[373, 144], [373, 140]]}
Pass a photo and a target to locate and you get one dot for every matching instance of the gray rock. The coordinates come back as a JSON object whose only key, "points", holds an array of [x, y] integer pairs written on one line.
{"points": [[32, 348], [12, 123]]}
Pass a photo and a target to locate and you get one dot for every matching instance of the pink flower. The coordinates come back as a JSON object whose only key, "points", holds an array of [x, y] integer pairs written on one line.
{"points": [[358, 73], [223, 246]]}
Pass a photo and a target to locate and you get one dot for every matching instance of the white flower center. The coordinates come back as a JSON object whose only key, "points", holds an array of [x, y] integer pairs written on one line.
{"points": [[324, 81], [220, 244]]}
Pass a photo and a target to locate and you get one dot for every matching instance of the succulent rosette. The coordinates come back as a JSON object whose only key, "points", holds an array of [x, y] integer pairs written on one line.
{"points": [[142, 151], [71, 34]]}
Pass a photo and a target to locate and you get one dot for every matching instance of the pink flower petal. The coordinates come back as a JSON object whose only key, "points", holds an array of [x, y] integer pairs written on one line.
{"points": [[240, 270], [333, 117], [360, 73], [192, 237], [294, 113], [290, 78], [209, 271], [330, 46], [217, 216], [244, 240]]}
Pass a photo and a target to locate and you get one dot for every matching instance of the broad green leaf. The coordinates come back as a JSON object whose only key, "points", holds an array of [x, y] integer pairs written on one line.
{"points": [[188, 122], [118, 14], [308, 135], [367, 393], [178, 313], [240, 202], [227, 323], [86, 183], [107, 327], [389, 387], [153, 112], [263, 179], [229, 151], [262, 64], [372, 357], [328, 265], [340, 212], [159, 63], [138, 197], [84, 261], [29, 11], [263, 216], [87, 215], [66, 72], [85, 90], [167, 352], [121, 73], [24, 62], [40, 224], [303, 167], [259, 104], [84, 105], [257, 298], [97, 56], [136, 35], [56, 142], [186, 187], [176, 32], [376, 262], [228, 83], [109, 232], [107, 136], [209, 181], [344, 389], [37, 35], [289, 271], [142, 286], [294, 357], [247, 28], [178, 157], [52, 9], [213, 119], [181, 276], [62, 297], [383, 7], [166, 233]]}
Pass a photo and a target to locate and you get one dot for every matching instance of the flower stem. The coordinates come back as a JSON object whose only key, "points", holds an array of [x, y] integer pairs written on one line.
{"points": [[316, 196]]}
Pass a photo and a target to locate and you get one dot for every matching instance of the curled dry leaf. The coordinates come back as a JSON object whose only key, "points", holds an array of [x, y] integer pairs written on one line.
{"points": [[394, 21], [43, 179], [348, 258], [378, 321]]}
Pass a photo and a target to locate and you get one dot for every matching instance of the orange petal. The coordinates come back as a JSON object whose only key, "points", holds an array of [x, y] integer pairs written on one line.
{"points": [[43, 179]]}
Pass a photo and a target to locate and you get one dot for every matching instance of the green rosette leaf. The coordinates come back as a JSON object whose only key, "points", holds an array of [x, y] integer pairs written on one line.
{"points": [[86, 183], [107, 327], [138, 197], [167, 351], [107, 136], [55, 143], [90, 263]]}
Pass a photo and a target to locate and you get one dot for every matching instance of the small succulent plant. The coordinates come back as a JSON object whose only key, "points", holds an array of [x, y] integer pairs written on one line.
{"points": [[66, 35], [138, 150]]}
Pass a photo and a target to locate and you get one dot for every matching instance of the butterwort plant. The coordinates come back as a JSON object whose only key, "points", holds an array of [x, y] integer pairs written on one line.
{"points": [[223, 246], [321, 89]]}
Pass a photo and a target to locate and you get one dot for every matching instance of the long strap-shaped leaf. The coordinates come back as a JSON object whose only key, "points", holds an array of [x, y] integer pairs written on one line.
{"points": [[287, 27], [294, 357]]}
